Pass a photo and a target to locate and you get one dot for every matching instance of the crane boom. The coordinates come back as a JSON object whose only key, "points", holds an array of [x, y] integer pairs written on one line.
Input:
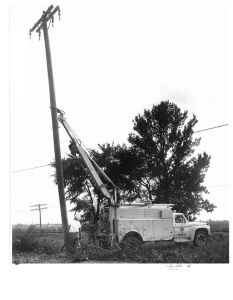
{"points": [[89, 163]]}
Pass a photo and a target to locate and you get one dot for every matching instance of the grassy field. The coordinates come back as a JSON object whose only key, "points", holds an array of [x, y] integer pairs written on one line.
{"points": [[32, 246], [219, 226]]}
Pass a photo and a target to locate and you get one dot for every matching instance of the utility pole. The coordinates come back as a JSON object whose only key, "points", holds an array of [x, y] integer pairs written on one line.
{"points": [[42, 24], [39, 209]]}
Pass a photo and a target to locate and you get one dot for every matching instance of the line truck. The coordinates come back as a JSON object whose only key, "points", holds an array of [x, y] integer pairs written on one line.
{"points": [[134, 223]]}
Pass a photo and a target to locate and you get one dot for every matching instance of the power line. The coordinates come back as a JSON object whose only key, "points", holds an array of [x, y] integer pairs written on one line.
{"points": [[37, 167], [56, 206], [217, 186], [211, 128], [32, 168], [22, 210]]}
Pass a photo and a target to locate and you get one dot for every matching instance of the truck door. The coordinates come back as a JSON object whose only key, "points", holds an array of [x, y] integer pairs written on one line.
{"points": [[180, 226]]}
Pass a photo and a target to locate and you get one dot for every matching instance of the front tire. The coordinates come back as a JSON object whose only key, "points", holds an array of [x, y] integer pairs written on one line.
{"points": [[200, 238]]}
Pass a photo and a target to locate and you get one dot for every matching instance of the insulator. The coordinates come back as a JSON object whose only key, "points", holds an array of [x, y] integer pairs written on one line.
{"points": [[39, 33], [52, 20], [59, 14]]}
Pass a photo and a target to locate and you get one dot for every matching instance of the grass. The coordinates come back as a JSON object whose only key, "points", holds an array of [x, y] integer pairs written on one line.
{"points": [[33, 246], [216, 251], [219, 226], [31, 238]]}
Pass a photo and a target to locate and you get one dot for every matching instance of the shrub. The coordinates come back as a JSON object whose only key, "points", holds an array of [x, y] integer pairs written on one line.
{"points": [[218, 236], [31, 229], [25, 244]]}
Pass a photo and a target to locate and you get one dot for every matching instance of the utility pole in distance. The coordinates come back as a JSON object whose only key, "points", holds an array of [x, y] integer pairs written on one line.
{"points": [[42, 24], [39, 209]]}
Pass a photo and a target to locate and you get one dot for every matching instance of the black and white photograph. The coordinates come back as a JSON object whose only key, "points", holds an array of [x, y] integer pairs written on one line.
{"points": [[119, 135], [119, 140]]}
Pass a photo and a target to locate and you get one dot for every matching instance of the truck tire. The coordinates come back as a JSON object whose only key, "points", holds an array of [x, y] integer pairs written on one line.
{"points": [[200, 238], [131, 242]]}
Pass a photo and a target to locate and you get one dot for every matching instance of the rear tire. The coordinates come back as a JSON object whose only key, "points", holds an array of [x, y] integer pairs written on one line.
{"points": [[131, 243], [200, 238]]}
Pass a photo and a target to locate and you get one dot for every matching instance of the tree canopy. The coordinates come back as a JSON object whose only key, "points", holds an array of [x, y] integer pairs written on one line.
{"points": [[159, 165], [171, 173]]}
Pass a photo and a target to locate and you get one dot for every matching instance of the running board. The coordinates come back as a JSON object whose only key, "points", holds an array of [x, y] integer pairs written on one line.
{"points": [[182, 239]]}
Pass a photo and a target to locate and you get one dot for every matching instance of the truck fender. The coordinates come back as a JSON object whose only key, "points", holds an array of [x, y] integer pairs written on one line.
{"points": [[195, 230], [134, 234]]}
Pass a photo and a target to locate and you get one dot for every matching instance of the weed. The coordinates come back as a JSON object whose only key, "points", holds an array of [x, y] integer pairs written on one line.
{"points": [[25, 244], [48, 245]]}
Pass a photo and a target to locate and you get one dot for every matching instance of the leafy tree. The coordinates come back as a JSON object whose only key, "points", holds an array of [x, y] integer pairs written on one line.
{"points": [[170, 173], [159, 165], [121, 164], [116, 161], [77, 187]]}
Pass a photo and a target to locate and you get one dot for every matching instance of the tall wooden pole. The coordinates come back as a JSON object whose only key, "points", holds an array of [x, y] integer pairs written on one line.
{"points": [[42, 24]]}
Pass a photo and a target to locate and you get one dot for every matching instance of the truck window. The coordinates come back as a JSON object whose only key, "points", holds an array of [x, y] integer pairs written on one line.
{"points": [[179, 219]]}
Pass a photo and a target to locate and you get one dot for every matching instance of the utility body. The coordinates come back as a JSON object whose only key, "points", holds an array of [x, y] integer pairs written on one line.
{"points": [[155, 223], [135, 222]]}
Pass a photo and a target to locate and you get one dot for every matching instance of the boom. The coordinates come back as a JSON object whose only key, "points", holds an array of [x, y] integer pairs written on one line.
{"points": [[89, 163]]}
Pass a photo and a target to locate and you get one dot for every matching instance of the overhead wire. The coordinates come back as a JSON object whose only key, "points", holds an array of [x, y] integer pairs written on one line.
{"points": [[22, 210], [37, 167], [58, 206], [217, 186], [210, 128], [32, 168]]}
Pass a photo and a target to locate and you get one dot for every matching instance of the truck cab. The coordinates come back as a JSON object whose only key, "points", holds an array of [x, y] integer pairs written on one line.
{"points": [[189, 231]]}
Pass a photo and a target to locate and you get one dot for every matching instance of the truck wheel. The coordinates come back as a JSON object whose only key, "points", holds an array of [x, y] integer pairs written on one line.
{"points": [[131, 243], [200, 238]]}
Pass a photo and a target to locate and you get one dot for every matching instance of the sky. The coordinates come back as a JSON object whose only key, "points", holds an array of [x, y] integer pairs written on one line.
{"points": [[110, 62]]}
